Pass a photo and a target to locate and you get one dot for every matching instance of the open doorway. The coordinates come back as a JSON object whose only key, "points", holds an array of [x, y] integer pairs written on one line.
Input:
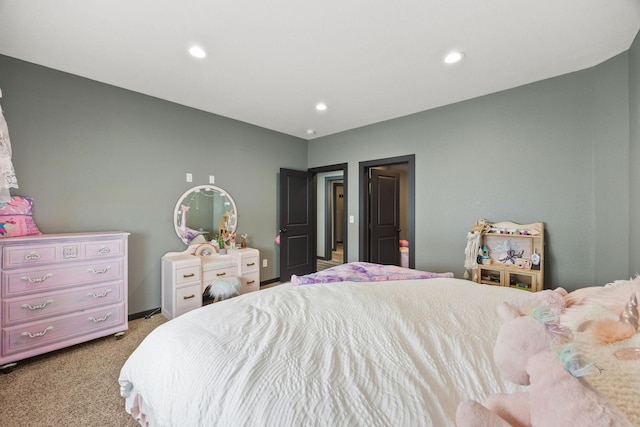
{"points": [[387, 209], [330, 184], [298, 214]]}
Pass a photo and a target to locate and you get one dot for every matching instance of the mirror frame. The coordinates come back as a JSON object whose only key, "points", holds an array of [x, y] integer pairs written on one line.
{"points": [[195, 189]]}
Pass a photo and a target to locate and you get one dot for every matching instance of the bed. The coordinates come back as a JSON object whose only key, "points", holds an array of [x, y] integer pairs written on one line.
{"points": [[378, 353]]}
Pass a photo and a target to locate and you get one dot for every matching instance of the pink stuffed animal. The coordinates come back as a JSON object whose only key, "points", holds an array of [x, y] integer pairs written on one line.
{"points": [[524, 352]]}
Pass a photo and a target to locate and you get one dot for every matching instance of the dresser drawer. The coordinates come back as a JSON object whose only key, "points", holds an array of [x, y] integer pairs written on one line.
{"points": [[36, 334], [250, 282], [34, 307], [21, 256], [211, 275], [104, 249], [190, 273], [189, 297], [249, 264], [19, 282]]}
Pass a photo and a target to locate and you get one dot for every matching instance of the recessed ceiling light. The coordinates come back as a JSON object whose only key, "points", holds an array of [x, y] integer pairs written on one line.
{"points": [[321, 106], [453, 57], [311, 132], [197, 52]]}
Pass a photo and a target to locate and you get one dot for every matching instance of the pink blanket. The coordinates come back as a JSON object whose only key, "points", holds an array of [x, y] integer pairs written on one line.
{"points": [[364, 272]]}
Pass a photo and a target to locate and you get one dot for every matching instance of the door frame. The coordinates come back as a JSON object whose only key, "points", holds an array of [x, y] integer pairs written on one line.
{"points": [[332, 168], [410, 161]]}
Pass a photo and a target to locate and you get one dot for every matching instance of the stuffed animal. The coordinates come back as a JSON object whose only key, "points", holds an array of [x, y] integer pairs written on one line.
{"points": [[532, 350]]}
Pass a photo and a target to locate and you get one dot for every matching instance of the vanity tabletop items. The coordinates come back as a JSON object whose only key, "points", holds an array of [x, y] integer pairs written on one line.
{"points": [[59, 290]]}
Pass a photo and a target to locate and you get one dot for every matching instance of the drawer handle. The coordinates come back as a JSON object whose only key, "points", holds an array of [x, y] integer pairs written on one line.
{"points": [[37, 307], [251, 264], [104, 250], [251, 282], [185, 276], [190, 296], [102, 271], [221, 274], [36, 280], [38, 334], [100, 319], [32, 256], [102, 295]]}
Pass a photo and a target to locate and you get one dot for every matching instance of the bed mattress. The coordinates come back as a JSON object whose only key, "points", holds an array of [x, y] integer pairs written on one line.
{"points": [[396, 353]]}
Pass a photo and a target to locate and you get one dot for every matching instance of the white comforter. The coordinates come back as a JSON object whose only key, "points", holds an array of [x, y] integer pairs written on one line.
{"points": [[400, 353]]}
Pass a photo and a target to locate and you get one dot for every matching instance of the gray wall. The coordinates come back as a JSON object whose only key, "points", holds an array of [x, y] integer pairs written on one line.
{"points": [[95, 157], [634, 157], [554, 151]]}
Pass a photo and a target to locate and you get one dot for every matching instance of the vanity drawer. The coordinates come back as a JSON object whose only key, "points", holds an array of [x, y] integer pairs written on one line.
{"points": [[31, 308], [20, 256], [250, 282], [20, 282], [249, 264], [211, 275], [188, 297], [188, 274], [104, 249], [47, 332]]}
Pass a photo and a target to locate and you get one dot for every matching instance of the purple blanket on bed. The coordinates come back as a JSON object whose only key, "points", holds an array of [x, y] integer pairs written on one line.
{"points": [[364, 272]]}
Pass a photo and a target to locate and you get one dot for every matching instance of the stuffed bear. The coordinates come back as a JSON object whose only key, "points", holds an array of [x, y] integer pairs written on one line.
{"points": [[525, 352]]}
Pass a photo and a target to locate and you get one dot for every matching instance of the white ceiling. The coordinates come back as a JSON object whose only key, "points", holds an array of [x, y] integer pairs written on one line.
{"points": [[270, 62]]}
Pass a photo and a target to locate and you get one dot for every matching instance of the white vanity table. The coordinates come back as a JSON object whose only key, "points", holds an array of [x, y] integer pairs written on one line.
{"points": [[185, 275]]}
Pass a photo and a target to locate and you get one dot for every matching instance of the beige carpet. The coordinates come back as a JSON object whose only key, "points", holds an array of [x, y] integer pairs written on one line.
{"points": [[76, 386]]}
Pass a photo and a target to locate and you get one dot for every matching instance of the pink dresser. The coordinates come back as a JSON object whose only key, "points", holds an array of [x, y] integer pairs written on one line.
{"points": [[59, 290]]}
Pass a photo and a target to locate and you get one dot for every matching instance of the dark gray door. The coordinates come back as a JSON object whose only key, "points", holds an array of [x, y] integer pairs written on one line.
{"points": [[297, 224], [384, 218]]}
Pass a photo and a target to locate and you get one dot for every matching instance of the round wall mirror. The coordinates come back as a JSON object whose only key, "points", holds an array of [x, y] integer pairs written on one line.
{"points": [[207, 211]]}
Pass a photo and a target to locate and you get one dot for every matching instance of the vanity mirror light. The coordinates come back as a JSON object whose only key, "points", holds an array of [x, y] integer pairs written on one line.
{"points": [[207, 211]]}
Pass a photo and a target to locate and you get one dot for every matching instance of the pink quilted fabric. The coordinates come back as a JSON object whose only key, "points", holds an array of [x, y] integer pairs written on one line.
{"points": [[364, 272]]}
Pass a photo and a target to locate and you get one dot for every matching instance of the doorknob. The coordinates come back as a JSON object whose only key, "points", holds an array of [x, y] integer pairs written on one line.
{"points": [[282, 231]]}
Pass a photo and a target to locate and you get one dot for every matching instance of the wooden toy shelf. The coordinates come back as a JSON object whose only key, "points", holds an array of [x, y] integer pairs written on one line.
{"points": [[511, 255]]}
